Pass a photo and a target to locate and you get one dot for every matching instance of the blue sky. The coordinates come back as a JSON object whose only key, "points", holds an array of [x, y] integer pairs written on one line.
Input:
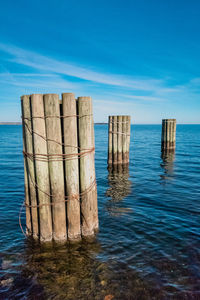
{"points": [[133, 57]]}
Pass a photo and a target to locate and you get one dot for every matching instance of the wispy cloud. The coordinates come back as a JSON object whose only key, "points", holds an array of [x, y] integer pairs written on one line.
{"points": [[32, 81], [113, 93], [45, 64]]}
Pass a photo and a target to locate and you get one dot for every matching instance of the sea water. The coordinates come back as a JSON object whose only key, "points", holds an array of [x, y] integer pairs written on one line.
{"points": [[148, 245]]}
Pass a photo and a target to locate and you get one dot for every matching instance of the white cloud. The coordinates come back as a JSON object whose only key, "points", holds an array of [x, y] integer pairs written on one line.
{"points": [[46, 64], [112, 93]]}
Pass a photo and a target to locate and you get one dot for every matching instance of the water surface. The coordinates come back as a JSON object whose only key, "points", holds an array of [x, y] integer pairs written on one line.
{"points": [[149, 238]]}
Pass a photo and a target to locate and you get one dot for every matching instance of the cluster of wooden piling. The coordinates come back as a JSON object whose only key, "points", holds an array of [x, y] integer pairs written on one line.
{"points": [[60, 185], [168, 139], [118, 139]]}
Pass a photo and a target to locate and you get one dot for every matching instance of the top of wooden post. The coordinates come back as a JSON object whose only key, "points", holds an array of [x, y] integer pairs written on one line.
{"points": [[68, 94], [168, 120]]}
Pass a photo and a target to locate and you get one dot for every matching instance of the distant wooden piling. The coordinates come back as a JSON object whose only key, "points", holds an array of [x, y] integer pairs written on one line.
{"points": [[114, 139], [110, 152], [41, 167], [124, 140], [69, 108], [56, 171], [168, 138], [119, 134], [128, 130], [29, 164], [119, 139], [59, 167]]}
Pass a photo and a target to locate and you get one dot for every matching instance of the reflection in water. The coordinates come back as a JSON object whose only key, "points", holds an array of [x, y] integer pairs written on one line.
{"points": [[68, 271], [167, 164], [120, 187], [75, 271]]}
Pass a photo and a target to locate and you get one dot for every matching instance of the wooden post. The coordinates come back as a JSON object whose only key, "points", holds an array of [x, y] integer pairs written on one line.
{"points": [[71, 166], [26, 185], [128, 136], [56, 171], [59, 167], [94, 189], [110, 126], [114, 139], [124, 144], [41, 167], [168, 139], [87, 175], [27, 127], [119, 139], [174, 134]]}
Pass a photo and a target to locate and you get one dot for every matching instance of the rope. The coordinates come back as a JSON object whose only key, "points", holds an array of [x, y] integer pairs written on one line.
{"points": [[58, 117], [114, 122], [50, 140], [66, 198], [116, 132], [20, 224], [56, 157]]}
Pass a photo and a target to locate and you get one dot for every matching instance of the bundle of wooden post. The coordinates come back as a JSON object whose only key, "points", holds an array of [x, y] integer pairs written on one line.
{"points": [[60, 185], [168, 139], [119, 128]]}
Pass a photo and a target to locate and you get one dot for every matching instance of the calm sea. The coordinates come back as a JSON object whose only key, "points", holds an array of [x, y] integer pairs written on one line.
{"points": [[148, 246]]}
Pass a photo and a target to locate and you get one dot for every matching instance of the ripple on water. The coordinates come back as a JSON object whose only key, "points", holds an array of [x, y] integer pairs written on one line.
{"points": [[149, 240]]}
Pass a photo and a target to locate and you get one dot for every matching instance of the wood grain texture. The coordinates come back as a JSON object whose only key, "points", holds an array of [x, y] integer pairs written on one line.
{"points": [[119, 139], [114, 140], [86, 166], [110, 158], [26, 184], [41, 167], [94, 189], [128, 137], [124, 139], [56, 169], [30, 166], [168, 137], [71, 166]]}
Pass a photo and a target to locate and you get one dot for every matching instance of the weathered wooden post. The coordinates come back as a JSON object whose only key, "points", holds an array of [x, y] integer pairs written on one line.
{"points": [[56, 171], [94, 188], [114, 140], [41, 167], [110, 152], [168, 139], [26, 185], [124, 139], [60, 182], [87, 174], [128, 130], [29, 164], [118, 140], [69, 108]]}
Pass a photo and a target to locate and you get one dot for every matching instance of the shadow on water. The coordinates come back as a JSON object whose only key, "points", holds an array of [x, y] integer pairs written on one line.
{"points": [[119, 188], [168, 156], [69, 271], [72, 271]]}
